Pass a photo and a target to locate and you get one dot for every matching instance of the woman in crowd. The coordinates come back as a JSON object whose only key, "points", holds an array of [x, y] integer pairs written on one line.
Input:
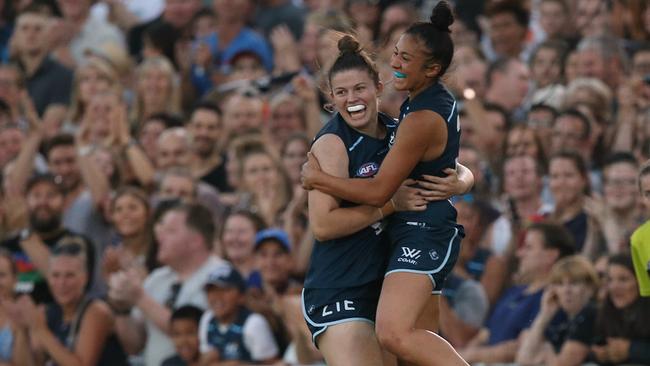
{"points": [[131, 217], [238, 242], [157, 88], [569, 183], [93, 77], [561, 333], [622, 335], [75, 329]]}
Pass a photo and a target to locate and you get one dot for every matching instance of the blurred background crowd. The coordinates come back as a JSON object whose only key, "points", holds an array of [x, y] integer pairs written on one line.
{"points": [[148, 147]]}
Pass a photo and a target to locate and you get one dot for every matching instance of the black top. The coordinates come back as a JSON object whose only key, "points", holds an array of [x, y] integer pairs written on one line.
{"points": [[438, 99], [579, 328], [359, 258], [112, 353], [218, 177], [175, 360], [50, 84]]}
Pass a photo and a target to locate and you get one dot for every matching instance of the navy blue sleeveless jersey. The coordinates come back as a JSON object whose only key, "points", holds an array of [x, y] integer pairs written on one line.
{"points": [[359, 258], [230, 342], [438, 99]]}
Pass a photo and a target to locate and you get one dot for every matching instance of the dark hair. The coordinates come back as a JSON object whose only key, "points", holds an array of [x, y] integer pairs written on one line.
{"points": [[559, 46], [556, 237], [578, 162], [436, 35], [499, 65], [207, 106], [620, 157], [255, 219], [352, 57], [571, 112], [491, 107], [189, 312], [163, 37], [74, 245], [514, 7], [64, 139], [544, 107], [631, 322], [199, 219], [169, 120]]}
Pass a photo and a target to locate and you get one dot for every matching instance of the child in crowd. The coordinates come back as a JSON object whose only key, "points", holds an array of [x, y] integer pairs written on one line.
{"points": [[228, 331], [184, 327]]}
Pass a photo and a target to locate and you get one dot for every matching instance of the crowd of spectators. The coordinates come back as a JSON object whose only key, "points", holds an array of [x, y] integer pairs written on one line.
{"points": [[150, 156]]}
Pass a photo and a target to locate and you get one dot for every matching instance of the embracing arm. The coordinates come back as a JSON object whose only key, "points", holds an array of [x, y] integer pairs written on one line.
{"points": [[417, 136], [327, 219]]}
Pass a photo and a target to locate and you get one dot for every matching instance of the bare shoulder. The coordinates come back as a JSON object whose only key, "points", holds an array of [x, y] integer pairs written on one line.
{"points": [[328, 146]]}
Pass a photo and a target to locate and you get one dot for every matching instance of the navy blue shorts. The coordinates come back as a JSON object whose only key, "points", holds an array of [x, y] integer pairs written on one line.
{"points": [[323, 307], [418, 248]]}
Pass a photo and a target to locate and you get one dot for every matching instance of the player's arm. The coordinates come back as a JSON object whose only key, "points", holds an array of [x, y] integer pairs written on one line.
{"points": [[328, 220], [421, 132]]}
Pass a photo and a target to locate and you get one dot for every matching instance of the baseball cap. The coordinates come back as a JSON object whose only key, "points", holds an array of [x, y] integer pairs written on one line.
{"points": [[278, 235], [226, 277]]}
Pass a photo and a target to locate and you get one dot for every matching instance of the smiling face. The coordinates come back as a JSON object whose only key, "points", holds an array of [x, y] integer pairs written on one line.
{"points": [[129, 215], [355, 94], [411, 70]]}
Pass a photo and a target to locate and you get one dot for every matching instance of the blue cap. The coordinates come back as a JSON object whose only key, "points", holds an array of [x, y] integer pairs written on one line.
{"points": [[277, 235], [226, 277]]}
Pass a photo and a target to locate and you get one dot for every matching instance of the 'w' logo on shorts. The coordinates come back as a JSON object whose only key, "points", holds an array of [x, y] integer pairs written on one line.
{"points": [[411, 253]]}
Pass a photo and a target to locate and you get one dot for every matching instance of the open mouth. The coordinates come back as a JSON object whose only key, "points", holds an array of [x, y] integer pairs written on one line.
{"points": [[357, 110], [399, 75]]}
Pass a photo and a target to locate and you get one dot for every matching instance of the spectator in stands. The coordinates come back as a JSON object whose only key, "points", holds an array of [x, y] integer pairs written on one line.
{"points": [[130, 215], [591, 18], [11, 79], [252, 341], [184, 234], [75, 329], [621, 334], [30, 249], [508, 28], [208, 159], [508, 83], [572, 130], [157, 88], [13, 337], [273, 261], [602, 58], [92, 77], [242, 114], [265, 186], [78, 32], [294, 154], [150, 130], [544, 245], [42, 73], [177, 183], [562, 331], [238, 243], [555, 19], [184, 329], [569, 184], [546, 70], [617, 211], [287, 117], [463, 309]]}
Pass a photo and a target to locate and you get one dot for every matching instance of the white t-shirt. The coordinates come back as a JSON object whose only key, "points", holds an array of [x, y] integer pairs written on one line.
{"points": [[258, 337], [145, 10], [158, 285]]}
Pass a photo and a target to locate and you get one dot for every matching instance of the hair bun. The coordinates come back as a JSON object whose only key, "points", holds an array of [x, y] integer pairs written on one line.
{"points": [[349, 44], [442, 16]]}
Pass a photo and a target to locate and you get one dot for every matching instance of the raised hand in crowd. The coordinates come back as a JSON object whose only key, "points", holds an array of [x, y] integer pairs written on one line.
{"points": [[285, 50]]}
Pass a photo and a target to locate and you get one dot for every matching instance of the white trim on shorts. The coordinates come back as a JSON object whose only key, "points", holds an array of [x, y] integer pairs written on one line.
{"points": [[436, 270], [328, 324]]}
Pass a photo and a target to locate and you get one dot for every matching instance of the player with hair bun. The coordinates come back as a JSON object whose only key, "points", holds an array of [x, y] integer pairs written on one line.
{"points": [[344, 279], [425, 244]]}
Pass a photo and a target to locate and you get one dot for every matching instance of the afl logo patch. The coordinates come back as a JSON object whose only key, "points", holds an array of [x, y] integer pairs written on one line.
{"points": [[367, 170]]}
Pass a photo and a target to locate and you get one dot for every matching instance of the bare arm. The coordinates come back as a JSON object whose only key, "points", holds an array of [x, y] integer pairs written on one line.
{"points": [[494, 276], [422, 134], [131, 333], [327, 219], [573, 353]]}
